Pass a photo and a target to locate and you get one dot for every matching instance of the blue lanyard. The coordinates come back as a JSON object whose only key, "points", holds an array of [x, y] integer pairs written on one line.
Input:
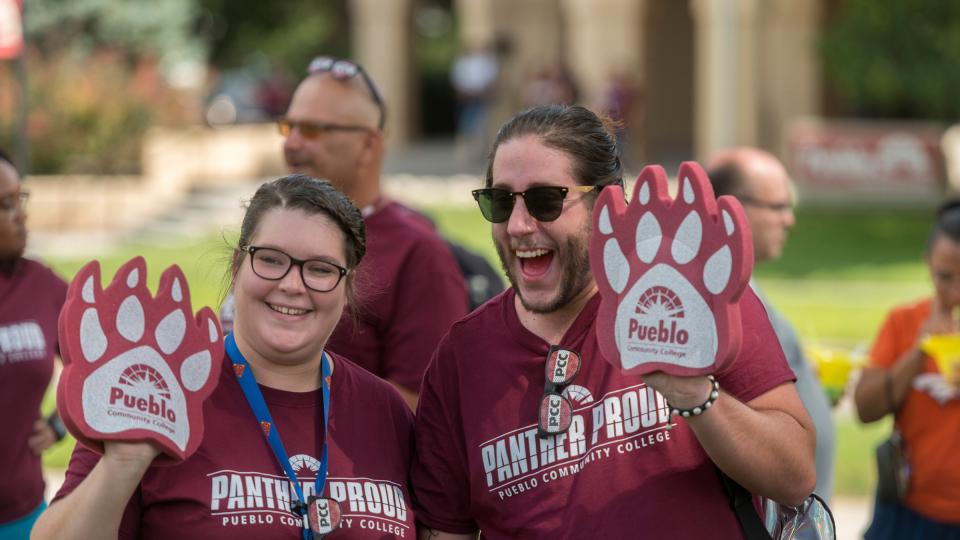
{"points": [[259, 407]]}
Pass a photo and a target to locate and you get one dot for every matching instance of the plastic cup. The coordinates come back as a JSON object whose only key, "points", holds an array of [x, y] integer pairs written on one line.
{"points": [[945, 351], [833, 369]]}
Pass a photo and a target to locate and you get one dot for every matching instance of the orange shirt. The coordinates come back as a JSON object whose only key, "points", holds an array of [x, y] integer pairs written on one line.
{"points": [[930, 429]]}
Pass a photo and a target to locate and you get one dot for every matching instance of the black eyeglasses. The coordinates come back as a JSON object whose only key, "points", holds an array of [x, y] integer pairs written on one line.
{"points": [[556, 412], [14, 201], [312, 130], [273, 265], [544, 203], [343, 70]]}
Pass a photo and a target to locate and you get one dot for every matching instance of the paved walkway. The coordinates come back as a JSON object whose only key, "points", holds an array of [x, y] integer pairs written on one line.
{"points": [[206, 212], [852, 515]]}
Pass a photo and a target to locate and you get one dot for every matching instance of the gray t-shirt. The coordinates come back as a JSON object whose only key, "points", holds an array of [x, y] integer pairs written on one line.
{"points": [[811, 393]]}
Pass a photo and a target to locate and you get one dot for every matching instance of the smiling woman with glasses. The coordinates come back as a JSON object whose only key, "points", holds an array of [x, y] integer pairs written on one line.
{"points": [[286, 411]]}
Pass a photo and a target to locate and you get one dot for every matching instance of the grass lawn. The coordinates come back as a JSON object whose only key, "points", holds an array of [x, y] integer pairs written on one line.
{"points": [[842, 270]]}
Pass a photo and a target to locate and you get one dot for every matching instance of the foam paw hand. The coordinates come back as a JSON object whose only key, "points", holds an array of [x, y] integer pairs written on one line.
{"points": [[670, 274], [136, 367]]}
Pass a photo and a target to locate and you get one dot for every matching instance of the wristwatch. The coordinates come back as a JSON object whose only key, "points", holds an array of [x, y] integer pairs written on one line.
{"points": [[57, 426]]}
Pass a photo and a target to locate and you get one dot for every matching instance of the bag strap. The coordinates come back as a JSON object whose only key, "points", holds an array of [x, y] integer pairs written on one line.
{"points": [[741, 501]]}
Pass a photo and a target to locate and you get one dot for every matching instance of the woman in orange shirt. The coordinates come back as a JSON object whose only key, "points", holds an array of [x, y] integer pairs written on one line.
{"points": [[903, 380]]}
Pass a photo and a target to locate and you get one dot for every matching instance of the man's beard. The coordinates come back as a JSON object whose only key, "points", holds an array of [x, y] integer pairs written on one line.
{"points": [[575, 274]]}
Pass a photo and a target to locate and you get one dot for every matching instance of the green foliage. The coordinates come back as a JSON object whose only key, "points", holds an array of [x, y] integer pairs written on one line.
{"points": [[288, 33], [97, 73], [88, 113], [896, 58], [863, 244], [139, 27], [844, 268]]}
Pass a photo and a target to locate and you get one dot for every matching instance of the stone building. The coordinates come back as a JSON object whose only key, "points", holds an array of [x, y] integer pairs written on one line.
{"points": [[709, 73]]}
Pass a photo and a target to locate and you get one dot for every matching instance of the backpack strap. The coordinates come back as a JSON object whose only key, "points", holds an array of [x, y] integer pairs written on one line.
{"points": [[742, 503]]}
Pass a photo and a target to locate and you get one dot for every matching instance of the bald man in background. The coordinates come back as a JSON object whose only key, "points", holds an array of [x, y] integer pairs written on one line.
{"points": [[410, 289], [761, 184]]}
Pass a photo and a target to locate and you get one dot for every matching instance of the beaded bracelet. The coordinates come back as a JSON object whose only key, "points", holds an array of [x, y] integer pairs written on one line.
{"points": [[699, 409]]}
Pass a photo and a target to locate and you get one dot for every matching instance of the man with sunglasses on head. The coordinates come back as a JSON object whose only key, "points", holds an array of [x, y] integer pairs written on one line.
{"points": [[761, 184], [524, 430], [410, 287]]}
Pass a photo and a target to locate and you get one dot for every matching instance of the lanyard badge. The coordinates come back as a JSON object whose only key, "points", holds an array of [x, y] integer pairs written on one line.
{"points": [[322, 514]]}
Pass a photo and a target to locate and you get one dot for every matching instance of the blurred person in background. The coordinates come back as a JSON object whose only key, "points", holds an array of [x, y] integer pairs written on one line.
{"points": [[474, 77], [620, 100], [31, 296], [901, 379], [411, 286], [761, 183], [550, 85]]}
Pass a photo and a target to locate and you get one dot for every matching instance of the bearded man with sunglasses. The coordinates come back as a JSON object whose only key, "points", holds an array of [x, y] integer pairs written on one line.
{"points": [[490, 457], [410, 287]]}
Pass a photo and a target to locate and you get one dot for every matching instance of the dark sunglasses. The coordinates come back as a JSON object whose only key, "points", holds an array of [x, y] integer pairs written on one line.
{"points": [[312, 130], [556, 412], [343, 70], [544, 203]]}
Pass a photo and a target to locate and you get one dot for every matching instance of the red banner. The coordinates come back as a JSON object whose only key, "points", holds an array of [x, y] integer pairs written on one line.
{"points": [[865, 156], [11, 29]]}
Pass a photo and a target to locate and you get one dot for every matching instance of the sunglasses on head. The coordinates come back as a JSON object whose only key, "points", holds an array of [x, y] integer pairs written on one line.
{"points": [[344, 70], [544, 203], [556, 412]]}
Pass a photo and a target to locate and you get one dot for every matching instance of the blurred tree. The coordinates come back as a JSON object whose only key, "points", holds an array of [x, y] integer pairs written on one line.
{"points": [[163, 30], [286, 35], [895, 58], [100, 73]]}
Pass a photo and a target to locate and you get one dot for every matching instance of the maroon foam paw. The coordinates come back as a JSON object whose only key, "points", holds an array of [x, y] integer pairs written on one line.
{"points": [[136, 367], [670, 274]]}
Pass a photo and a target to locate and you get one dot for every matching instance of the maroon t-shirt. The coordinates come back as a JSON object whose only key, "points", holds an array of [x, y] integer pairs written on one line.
{"points": [[617, 473], [30, 301], [411, 291], [233, 486]]}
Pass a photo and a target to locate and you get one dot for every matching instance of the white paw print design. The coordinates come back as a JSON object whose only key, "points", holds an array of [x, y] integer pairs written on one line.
{"points": [[137, 367], [670, 272]]}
